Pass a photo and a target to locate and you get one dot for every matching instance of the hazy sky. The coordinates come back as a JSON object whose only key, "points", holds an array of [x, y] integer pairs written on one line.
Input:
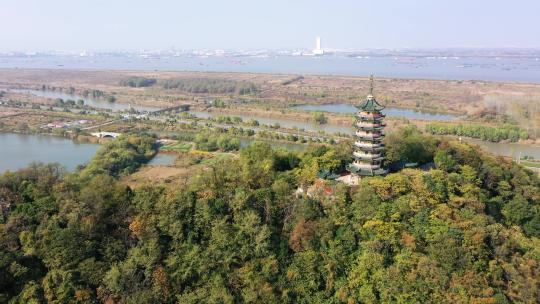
{"points": [[233, 24]]}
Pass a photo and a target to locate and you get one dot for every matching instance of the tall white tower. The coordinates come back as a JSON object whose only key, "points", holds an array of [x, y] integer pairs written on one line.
{"points": [[318, 50]]}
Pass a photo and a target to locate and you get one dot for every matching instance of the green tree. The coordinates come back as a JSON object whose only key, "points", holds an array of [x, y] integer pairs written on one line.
{"points": [[319, 118], [444, 161]]}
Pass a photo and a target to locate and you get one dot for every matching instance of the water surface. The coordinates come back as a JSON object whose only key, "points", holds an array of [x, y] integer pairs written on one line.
{"points": [[19, 150], [283, 122], [513, 150], [335, 108], [92, 102], [162, 159], [389, 112], [445, 68]]}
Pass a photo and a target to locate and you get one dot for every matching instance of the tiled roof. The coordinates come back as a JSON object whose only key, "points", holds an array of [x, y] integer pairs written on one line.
{"points": [[370, 104]]}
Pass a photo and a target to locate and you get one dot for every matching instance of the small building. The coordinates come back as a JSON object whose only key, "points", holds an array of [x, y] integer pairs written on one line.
{"points": [[368, 149], [57, 125]]}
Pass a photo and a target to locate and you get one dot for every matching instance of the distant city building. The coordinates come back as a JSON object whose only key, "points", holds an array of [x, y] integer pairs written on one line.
{"points": [[318, 49], [368, 147]]}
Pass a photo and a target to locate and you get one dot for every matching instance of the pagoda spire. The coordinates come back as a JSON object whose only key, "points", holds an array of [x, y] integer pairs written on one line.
{"points": [[371, 85]]}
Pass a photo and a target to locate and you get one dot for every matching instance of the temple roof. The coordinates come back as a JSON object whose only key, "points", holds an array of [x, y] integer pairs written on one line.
{"points": [[370, 104]]}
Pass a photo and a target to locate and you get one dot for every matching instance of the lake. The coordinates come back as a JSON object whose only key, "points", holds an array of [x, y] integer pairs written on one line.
{"points": [[19, 150], [445, 68], [329, 128], [513, 150], [162, 159], [390, 112], [92, 102]]}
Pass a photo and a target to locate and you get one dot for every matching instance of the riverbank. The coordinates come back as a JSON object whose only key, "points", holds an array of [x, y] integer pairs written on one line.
{"points": [[274, 90], [287, 127], [67, 134], [21, 149]]}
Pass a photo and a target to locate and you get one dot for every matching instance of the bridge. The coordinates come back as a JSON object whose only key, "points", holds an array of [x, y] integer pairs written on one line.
{"points": [[106, 134]]}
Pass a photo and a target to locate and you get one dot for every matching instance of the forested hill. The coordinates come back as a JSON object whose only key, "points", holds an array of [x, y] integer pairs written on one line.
{"points": [[464, 232]]}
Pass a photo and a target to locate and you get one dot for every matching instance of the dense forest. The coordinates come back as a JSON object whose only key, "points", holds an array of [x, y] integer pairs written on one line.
{"points": [[494, 134], [465, 231], [210, 85]]}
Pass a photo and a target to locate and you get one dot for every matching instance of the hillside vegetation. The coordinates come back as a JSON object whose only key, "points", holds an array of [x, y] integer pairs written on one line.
{"points": [[464, 232]]}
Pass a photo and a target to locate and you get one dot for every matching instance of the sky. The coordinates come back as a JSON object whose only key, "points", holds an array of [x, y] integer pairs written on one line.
{"points": [[271, 24]]}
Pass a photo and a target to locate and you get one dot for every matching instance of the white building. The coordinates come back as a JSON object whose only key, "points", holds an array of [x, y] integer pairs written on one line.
{"points": [[318, 50]]}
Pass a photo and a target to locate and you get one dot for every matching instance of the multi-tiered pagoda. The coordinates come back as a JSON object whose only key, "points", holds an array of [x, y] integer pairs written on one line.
{"points": [[368, 148]]}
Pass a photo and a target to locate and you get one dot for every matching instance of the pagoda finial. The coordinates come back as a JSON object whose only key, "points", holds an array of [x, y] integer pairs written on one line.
{"points": [[371, 85]]}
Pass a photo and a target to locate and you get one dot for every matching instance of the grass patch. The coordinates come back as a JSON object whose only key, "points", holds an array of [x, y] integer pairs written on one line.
{"points": [[216, 159], [178, 147], [530, 164]]}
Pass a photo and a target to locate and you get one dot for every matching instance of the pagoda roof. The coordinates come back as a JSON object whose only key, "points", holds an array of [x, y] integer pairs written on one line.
{"points": [[370, 104]]}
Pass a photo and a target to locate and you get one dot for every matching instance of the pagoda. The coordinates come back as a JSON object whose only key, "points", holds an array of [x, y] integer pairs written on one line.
{"points": [[368, 148]]}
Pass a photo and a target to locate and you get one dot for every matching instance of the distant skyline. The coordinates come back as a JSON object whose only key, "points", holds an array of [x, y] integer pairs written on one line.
{"points": [[93, 25]]}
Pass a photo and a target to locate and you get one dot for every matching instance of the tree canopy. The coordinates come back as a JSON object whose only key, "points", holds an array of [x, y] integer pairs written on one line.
{"points": [[210, 85], [494, 134], [138, 82], [464, 232]]}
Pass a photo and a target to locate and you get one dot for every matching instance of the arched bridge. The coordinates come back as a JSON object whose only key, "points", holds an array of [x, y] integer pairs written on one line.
{"points": [[106, 134]]}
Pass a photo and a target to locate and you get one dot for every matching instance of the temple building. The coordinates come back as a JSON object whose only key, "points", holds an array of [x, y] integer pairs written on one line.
{"points": [[368, 147]]}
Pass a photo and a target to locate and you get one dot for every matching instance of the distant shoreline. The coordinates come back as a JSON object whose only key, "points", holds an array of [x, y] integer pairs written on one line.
{"points": [[481, 68], [240, 73]]}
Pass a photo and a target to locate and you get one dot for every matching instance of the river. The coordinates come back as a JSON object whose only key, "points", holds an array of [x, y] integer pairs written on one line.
{"points": [[335, 108], [389, 112], [92, 102], [19, 150], [18, 141], [445, 68], [283, 122]]}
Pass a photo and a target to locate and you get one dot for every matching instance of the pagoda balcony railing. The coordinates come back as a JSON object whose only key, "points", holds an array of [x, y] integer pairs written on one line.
{"points": [[369, 119], [366, 166], [370, 125], [368, 135], [367, 155], [370, 115], [370, 139], [368, 145], [366, 172]]}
